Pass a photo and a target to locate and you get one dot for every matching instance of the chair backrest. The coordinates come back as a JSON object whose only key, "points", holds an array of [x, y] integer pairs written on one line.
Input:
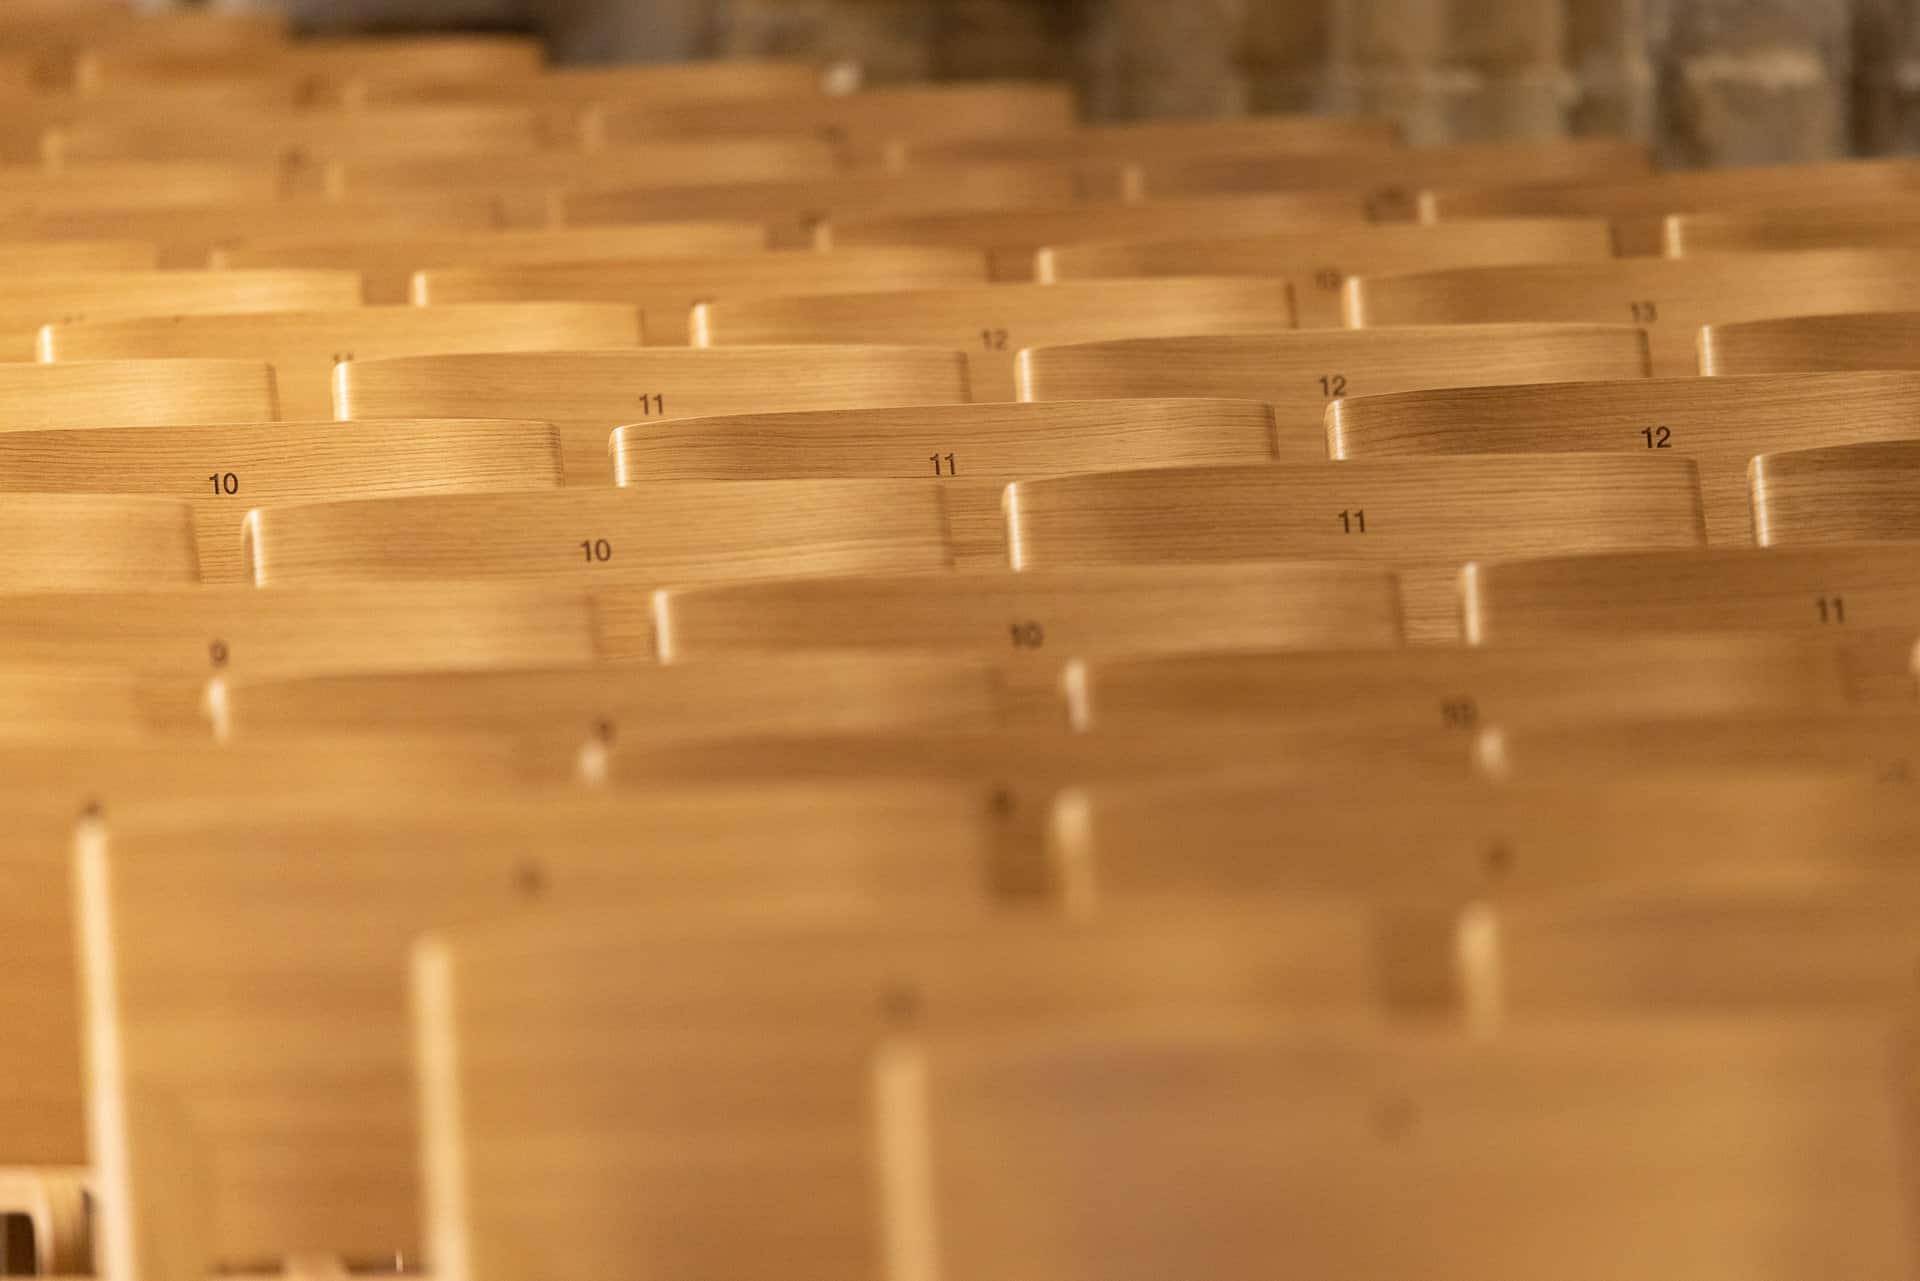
{"points": [[144, 393], [653, 534], [993, 323], [1424, 517], [1233, 1147], [1880, 747], [30, 301], [676, 83], [662, 163], [65, 542], [79, 255], [586, 394], [764, 1043], [1671, 298], [1299, 373], [668, 288], [296, 138], [1720, 423], [255, 464], [305, 346], [1133, 140], [1843, 493], [1317, 264], [386, 263], [1892, 223], [135, 184], [1796, 344], [276, 1119]]}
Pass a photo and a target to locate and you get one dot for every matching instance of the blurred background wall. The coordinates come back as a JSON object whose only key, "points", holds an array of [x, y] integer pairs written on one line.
{"points": [[1706, 81]]}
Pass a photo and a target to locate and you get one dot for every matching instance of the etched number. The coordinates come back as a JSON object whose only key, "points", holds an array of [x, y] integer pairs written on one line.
{"points": [[1459, 713], [1027, 635], [1353, 521], [596, 549], [1833, 609], [943, 465], [1643, 312], [1329, 277], [224, 482], [1333, 384], [652, 403], [993, 339], [1657, 437], [217, 653]]}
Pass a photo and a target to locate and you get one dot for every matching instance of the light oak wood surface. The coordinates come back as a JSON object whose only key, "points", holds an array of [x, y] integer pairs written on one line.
{"points": [[1131, 140], [1802, 344], [1839, 494], [30, 301], [24, 255], [135, 392], [82, 541], [1892, 223], [666, 84], [1881, 747], [662, 163], [298, 139]]}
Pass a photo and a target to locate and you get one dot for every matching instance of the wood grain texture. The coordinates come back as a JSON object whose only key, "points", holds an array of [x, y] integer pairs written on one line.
{"points": [[68, 542], [297, 138], [136, 183], [305, 347], [261, 1053], [1299, 373], [989, 445], [783, 1022], [1798, 344], [1671, 298], [1423, 517], [1271, 1147], [663, 84], [386, 264], [663, 163], [1317, 264], [1638, 208], [30, 301], [1843, 493], [1720, 423], [993, 323], [656, 534], [1040, 615], [136, 393], [1132, 140], [1892, 223], [588, 394], [668, 288], [865, 122], [272, 463], [413, 58], [78, 255], [1875, 747], [1012, 237]]}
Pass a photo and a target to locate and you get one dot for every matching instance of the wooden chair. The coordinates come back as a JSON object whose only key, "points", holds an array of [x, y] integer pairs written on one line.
{"points": [[1555, 680], [1316, 264], [769, 1063], [1840, 494], [68, 542], [1892, 223], [588, 394], [663, 163], [1425, 518], [663, 84], [29, 301], [1876, 747], [1012, 237], [305, 347], [1804, 344], [1299, 373], [1668, 297], [136, 392], [1720, 423], [668, 288], [1242, 1147], [1152, 139], [299, 139], [387, 263], [278, 1122], [78, 255], [993, 323], [973, 450], [255, 464], [1638, 207]]}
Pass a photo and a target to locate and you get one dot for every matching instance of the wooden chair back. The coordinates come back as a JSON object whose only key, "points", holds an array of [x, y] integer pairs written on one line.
{"points": [[30, 301], [141, 393], [1839, 494], [69, 542]]}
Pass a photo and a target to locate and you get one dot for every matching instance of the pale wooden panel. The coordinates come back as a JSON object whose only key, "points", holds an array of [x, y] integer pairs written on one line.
{"points": [[386, 264], [993, 323], [1884, 224], [331, 61], [297, 138], [59, 701], [1012, 237], [135, 392], [304, 347], [1237, 1148], [865, 121], [30, 301], [653, 534], [1720, 423], [588, 394], [1561, 680], [1638, 208], [1135, 140], [27, 255], [1317, 264], [662, 163], [64, 542], [1299, 373], [1423, 517], [768, 1065], [1879, 747], [135, 184], [1671, 298], [1793, 344], [224, 471], [667, 288], [972, 449], [1844, 493], [664, 84]]}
